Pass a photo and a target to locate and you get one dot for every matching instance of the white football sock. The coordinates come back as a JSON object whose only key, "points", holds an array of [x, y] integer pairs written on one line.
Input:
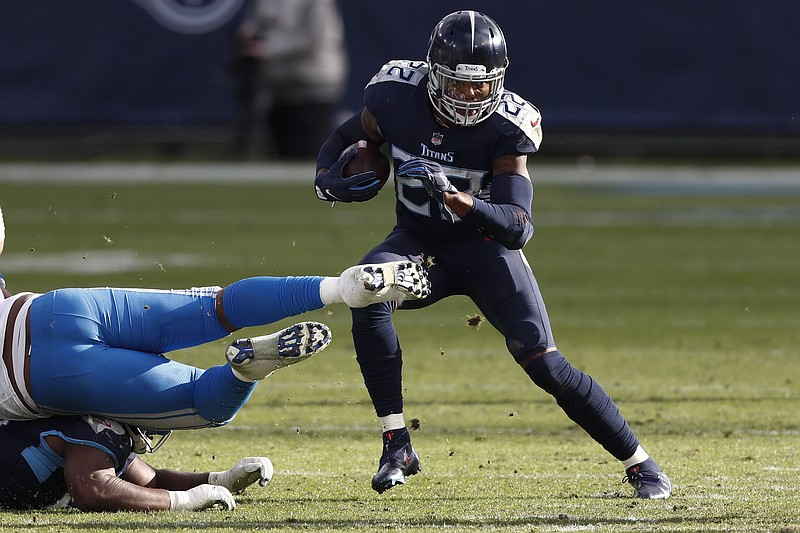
{"points": [[639, 456], [393, 421], [328, 291]]}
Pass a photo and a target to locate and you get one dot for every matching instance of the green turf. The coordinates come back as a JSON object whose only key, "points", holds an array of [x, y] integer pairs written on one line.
{"points": [[683, 303]]}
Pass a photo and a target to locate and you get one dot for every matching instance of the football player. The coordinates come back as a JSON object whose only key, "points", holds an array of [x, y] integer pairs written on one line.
{"points": [[99, 351], [460, 143], [91, 463]]}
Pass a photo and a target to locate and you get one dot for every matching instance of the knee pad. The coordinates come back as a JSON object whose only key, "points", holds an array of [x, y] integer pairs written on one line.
{"points": [[552, 372], [526, 338]]}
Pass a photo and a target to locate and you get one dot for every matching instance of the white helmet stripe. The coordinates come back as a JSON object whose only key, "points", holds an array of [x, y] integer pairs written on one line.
{"points": [[472, 23]]}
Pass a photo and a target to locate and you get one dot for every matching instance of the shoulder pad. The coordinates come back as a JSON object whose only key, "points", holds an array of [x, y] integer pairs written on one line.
{"points": [[522, 114], [99, 424], [402, 71]]}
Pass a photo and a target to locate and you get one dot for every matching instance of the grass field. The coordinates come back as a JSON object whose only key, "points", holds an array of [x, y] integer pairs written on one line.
{"points": [[683, 301]]}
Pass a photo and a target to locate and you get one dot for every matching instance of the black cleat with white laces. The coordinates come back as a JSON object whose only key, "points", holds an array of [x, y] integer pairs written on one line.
{"points": [[648, 481]]}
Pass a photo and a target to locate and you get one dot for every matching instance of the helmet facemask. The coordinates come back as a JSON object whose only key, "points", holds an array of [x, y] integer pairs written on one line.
{"points": [[145, 441], [442, 81]]}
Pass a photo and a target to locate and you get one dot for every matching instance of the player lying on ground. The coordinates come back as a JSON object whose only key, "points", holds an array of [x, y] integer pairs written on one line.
{"points": [[460, 143], [89, 463], [100, 351]]}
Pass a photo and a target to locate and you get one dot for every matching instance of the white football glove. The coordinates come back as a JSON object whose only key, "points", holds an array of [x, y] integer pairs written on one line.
{"points": [[243, 474], [201, 497]]}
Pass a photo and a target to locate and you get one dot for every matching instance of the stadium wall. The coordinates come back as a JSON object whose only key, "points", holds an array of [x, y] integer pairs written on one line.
{"points": [[711, 74]]}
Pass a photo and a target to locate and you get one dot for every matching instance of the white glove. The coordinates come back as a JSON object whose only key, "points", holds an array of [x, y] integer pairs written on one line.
{"points": [[243, 474], [201, 497]]}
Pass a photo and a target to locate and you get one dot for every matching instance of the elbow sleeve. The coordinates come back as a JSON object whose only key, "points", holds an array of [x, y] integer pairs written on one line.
{"points": [[510, 225], [507, 218]]}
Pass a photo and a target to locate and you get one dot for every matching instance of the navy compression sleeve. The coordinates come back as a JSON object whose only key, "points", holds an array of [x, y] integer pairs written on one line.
{"points": [[347, 133], [507, 219]]}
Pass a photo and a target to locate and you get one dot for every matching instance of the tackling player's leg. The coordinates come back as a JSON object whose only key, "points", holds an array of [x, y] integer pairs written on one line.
{"points": [[363, 285], [86, 359]]}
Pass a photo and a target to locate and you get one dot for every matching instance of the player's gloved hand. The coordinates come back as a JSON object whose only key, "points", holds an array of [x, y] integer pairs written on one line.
{"points": [[243, 474], [433, 179], [430, 174], [201, 497], [332, 186]]}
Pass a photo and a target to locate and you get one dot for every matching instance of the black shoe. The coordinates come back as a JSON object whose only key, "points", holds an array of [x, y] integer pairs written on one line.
{"points": [[648, 481], [398, 461]]}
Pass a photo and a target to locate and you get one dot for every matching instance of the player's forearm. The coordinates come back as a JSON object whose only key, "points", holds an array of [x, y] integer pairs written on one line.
{"points": [[506, 218], [346, 134], [510, 225], [115, 494], [459, 203], [176, 480]]}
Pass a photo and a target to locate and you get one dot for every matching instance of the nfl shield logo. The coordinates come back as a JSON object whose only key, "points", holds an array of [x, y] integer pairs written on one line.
{"points": [[437, 139]]}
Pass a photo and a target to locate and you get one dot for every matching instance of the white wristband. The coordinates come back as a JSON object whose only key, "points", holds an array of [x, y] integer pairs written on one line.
{"points": [[178, 500]]}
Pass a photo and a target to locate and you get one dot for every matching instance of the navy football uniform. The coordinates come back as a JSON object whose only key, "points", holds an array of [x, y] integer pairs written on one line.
{"points": [[32, 474], [397, 97], [460, 141], [466, 260]]}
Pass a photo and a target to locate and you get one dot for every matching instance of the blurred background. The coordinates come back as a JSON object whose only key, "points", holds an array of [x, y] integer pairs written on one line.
{"points": [[185, 80]]}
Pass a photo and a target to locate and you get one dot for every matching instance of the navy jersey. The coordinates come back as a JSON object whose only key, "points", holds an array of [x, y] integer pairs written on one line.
{"points": [[32, 474], [397, 96]]}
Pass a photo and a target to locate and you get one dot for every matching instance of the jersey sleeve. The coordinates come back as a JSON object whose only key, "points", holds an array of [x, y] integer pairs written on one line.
{"points": [[519, 125], [107, 436], [385, 90], [102, 434], [31, 472]]}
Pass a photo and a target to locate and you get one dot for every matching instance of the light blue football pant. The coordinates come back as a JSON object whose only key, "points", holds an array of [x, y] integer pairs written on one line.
{"points": [[99, 351]]}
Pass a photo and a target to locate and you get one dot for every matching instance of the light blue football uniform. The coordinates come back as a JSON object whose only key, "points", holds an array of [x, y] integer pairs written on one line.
{"points": [[100, 351]]}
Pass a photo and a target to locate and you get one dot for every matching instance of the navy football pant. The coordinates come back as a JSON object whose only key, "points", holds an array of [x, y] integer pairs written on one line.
{"points": [[502, 285], [99, 350]]}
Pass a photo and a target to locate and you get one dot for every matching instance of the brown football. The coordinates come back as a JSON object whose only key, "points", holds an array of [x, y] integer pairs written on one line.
{"points": [[368, 157]]}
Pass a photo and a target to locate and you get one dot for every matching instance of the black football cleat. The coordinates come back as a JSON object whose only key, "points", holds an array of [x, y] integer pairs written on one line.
{"points": [[648, 481], [395, 466]]}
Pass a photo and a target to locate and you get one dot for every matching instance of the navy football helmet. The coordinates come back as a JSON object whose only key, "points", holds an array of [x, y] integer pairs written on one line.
{"points": [[466, 53]]}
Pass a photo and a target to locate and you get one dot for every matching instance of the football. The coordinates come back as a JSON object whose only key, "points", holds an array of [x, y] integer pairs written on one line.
{"points": [[368, 157]]}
